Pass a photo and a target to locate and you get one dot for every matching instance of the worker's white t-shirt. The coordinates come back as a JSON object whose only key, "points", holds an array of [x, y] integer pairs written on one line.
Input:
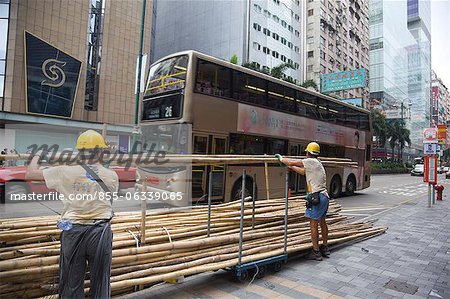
{"points": [[73, 181], [316, 177]]}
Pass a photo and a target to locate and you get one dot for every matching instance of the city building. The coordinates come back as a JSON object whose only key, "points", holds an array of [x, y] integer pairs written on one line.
{"points": [[400, 65], [337, 40], [70, 63], [265, 32], [440, 105]]}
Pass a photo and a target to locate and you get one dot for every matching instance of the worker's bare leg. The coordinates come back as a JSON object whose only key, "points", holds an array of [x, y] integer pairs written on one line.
{"points": [[324, 230], [314, 225]]}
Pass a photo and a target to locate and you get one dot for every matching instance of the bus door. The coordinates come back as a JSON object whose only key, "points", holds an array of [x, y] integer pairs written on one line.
{"points": [[214, 145], [200, 146], [297, 182], [218, 171]]}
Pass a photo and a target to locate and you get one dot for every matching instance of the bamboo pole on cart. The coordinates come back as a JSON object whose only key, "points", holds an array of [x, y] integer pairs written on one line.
{"points": [[266, 174], [286, 194], [209, 203], [143, 212], [241, 223]]}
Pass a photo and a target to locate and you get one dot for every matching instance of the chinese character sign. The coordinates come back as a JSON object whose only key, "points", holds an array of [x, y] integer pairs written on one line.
{"points": [[343, 80]]}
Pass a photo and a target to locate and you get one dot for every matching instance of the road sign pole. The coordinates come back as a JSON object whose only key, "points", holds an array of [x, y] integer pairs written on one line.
{"points": [[429, 195], [433, 201]]}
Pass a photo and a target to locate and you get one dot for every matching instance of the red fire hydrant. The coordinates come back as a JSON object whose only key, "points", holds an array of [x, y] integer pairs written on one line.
{"points": [[439, 189]]}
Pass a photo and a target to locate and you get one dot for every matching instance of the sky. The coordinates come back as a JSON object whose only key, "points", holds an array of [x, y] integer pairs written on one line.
{"points": [[440, 39]]}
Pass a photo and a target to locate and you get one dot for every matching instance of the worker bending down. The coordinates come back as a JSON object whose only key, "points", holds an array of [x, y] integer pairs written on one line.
{"points": [[317, 197], [86, 237]]}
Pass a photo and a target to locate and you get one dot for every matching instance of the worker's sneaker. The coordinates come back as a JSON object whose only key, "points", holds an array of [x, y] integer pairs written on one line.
{"points": [[324, 250], [314, 255]]}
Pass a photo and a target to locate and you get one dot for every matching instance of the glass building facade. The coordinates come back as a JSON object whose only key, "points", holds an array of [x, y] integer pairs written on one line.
{"points": [[419, 69], [400, 62]]}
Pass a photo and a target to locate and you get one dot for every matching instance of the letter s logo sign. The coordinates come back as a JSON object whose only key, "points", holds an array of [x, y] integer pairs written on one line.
{"points": [[51, 68]]}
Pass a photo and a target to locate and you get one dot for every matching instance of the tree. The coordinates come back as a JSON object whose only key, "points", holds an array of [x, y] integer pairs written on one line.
{"points": [[310, 83], [252, 65], [399, 135], [234, 59], [278, 71], [379, 127]]}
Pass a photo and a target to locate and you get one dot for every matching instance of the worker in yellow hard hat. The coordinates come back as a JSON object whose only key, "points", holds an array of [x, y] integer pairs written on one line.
{"points": [[87, 190], [317, 196]]}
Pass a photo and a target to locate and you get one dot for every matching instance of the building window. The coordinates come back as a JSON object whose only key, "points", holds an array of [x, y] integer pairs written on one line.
{"points": [[283, 41], [310, 40], [256, 46], [4, 24], [275, 54], [297, 34], [309, 68], [257, 8], [266, 50], [276, 18], [257, 27], [95, 38], [277, 2], [310, 12], [267, 13], [283, 23], [290, 28], [266, 31], [297, 18], [322, 69], [296, 66], [310, 54], [289, 44], [283, 58], [322, 55], [275, 36]]}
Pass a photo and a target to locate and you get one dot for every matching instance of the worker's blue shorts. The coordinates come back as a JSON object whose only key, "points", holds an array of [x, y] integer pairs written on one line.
{"points": [[319, 211]]}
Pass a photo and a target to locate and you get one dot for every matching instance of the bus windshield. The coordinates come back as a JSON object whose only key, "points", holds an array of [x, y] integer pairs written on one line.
{"points": [[167, 75]]}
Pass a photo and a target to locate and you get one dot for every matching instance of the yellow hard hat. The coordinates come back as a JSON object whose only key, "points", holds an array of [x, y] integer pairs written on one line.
{"points": [[313, 148], [90, 140]]}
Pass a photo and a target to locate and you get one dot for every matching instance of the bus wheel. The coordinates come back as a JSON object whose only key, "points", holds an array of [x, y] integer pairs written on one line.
{"points": [[350, 186], [335, 186], [236, 192]]}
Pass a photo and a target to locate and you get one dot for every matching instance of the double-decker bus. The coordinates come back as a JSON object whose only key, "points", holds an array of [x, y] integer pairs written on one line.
{"points": [[198, 104]]}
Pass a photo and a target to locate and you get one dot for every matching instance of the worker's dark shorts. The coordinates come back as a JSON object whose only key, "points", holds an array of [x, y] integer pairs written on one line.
{"points": [[85, 247], [319, 211]]}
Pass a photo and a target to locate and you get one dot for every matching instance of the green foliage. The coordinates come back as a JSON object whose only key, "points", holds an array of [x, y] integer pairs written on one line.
{"points": [[310, 83], [234, 59], [388, 167], [278, 71], [251, 65], [379, 125]]}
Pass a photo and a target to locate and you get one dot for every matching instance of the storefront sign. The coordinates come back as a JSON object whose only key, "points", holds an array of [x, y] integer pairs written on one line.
{"points": [[51, 78]]}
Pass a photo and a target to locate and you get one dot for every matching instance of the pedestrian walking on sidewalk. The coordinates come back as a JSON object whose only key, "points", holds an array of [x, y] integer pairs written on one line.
{"points": [[86, 237], [317, 197]]}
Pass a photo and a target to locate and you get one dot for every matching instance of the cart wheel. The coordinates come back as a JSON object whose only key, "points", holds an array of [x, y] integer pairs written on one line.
{"points": [[261, 272], [243, 277], [277, 266]]}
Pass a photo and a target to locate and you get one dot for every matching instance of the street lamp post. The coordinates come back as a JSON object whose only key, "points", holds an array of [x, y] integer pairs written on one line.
{"points": [[135, 133]]}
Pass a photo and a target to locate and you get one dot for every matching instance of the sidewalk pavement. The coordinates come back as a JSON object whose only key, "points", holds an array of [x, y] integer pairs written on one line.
{"points": [[411, 260]]}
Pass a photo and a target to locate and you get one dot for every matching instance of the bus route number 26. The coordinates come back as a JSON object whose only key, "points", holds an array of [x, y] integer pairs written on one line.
{"points": [[168, 111]]}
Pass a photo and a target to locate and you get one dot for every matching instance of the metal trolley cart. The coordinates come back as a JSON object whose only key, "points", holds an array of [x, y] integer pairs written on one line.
{"points": [[241, 270]]}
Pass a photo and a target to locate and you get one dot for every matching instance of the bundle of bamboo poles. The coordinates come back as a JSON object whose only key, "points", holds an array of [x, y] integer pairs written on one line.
{"points": [[176, 159], [176, 244]]}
